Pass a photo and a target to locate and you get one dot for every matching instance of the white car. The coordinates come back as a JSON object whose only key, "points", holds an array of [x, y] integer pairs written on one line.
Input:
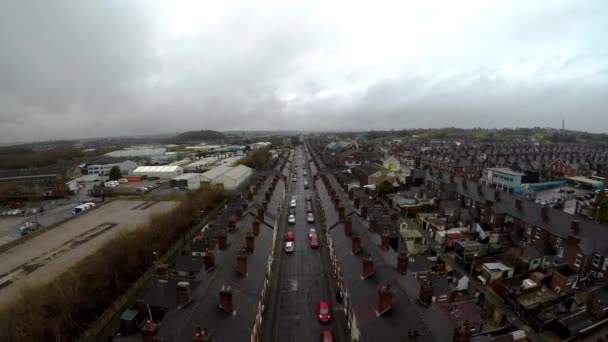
{"points": [[293, 203], [311, 232], [291, 219], [310, 218], [289, 247]]}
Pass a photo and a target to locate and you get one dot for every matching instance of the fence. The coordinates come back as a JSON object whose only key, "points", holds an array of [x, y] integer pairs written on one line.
{"points": [[119, 305]]}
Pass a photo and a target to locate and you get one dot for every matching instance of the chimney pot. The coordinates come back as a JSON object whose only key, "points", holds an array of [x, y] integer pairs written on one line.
{"points": [[373, 224], [385, 299], [575, 226], [426, 293], [183, 293], [226, 298], [208, 259], [402, 262], [544, 212], [356, 243], [356, 202], [250, 242], [368, 267], [518, 204], [232, 223], [386, 239], [241, 262], [162, 271]]}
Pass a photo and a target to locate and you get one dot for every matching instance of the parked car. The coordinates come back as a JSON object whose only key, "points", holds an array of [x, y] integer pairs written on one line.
{"points": [[290, 236], [570, 191], [294, 179], [314, 241], [323, 312], [293, 203], [310, 218], [312, 232], [289, 247], [580, 198], [291, 219]]}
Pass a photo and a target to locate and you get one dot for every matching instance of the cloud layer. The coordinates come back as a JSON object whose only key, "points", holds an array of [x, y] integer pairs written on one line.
{"points": [[94, 68]]}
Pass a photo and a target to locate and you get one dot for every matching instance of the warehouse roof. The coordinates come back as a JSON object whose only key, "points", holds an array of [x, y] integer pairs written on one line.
{"points": [[162, 168], [187, 176], [237, 172], [216, 172]]}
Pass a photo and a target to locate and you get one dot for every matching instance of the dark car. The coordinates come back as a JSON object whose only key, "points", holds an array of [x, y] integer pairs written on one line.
{"points": [[570, 191]]}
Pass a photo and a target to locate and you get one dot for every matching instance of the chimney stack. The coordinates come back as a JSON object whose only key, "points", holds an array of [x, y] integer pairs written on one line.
{"points": [[226, 298], [162, 271], [364, 213], [241, 262], [544, 212], [261, 213], [464, 183], [518, 204], [451, 178], [373, 224], [231, 223], [250, 196], [575, 226], [386, 240], [208, 260], [351, 195], [222, 239], [356, 202], [368, 267], [202, 335], [183, 293], [336, 203], [426, 293], [256, 226], [497, 195], [402, 262], [348, 226], [244, 206], [385, 299], [239, 213], [341, 213], [267, 195], [250, 242], [462, 332], [265, 205], [479, 189], [356, 243]]}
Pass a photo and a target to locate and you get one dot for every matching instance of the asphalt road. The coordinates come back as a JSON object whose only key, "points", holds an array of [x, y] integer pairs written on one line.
{"points": [[302, 278]]}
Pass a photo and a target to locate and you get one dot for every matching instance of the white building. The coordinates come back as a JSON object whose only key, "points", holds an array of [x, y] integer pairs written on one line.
{"points": [[230, 177], [126, 168], [260, 144], [138, 152], [190, 181], [165, 171]]}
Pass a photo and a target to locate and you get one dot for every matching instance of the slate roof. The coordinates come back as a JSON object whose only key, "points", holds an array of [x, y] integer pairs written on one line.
{"points": [[593, 235], [188, 263]]}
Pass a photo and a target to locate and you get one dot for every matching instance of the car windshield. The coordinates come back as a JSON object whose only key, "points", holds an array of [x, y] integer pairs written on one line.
{"points": [[324, 311]]}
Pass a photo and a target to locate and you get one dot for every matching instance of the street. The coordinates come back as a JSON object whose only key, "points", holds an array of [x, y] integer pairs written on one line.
{"points": [[302, 278]]}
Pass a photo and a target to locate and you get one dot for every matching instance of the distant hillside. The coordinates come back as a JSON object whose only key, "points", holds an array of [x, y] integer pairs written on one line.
{"points": [[198, 136]]}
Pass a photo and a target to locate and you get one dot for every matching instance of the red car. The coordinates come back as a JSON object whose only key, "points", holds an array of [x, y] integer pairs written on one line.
{"points": [[308, 207], [580, 198], [314, 241], [290, 236], [323, 312], [327, 336]]}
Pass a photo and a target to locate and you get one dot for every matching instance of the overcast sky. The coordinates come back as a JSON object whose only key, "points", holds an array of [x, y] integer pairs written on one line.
{"points": [[83, 68]]}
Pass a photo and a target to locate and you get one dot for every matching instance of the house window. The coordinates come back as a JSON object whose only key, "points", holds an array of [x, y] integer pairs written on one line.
{"points": [[528, 230], [560, 252], [592, 274], [537, 235], [605, 266], [596, 259], [578, 260], [558, 241]]}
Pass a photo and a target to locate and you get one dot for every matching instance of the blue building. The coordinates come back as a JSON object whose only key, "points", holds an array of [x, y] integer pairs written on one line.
{"points": [[504, 179]]}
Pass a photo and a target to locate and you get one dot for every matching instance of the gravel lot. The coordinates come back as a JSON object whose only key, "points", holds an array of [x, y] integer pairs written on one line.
{"points": [[43, 257]]}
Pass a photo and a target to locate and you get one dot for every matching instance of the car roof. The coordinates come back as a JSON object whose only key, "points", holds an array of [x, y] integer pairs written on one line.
{"points": [[289, 243]]}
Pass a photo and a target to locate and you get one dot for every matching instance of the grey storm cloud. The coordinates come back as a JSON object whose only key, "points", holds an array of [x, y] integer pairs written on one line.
{"points": [[73, 69]]}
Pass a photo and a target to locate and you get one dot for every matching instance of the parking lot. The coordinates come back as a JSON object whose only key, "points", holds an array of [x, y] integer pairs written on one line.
{"points": [[552, 195], [41, 258]]}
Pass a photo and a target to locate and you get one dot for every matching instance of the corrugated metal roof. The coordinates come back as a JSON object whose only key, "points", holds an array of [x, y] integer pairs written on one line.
{"points": [[160, 168], [238, 172], [216, 172]]}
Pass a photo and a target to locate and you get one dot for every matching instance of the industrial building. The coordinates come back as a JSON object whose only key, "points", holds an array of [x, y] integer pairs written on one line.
{"points": [[126, 168], [190, 181], [138, 152], [230, 177], [165, 171]]}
